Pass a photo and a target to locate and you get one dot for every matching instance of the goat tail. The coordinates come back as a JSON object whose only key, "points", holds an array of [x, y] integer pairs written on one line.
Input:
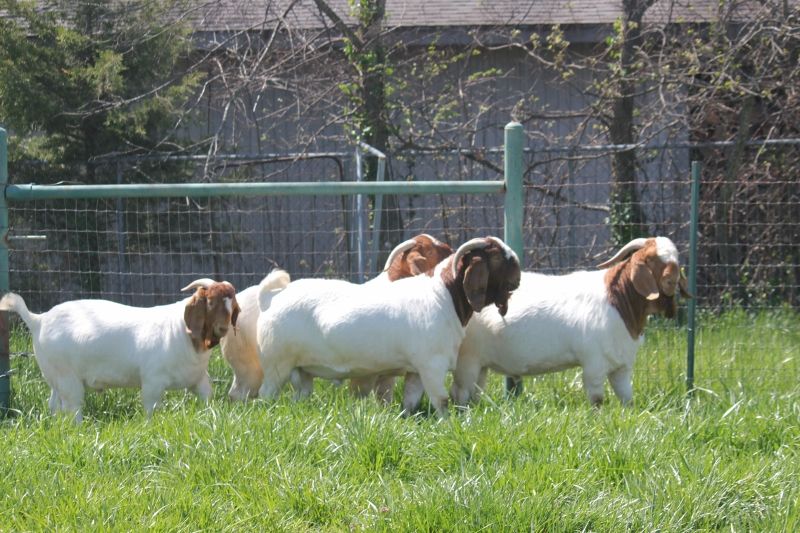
{"points": [[277, 279], [14, 302]]}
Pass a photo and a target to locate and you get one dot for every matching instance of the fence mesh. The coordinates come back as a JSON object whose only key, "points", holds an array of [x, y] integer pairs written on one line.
{"points": [[141, 252], [748, 260]]}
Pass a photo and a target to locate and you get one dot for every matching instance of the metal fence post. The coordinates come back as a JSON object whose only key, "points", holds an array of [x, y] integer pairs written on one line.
{"points": [[692, 274], [5, 362], [361, 223], [513, 214], [377, 209]]}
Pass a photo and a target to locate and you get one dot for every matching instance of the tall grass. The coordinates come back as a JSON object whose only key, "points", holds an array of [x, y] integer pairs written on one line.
{"points": [[725, 457]]}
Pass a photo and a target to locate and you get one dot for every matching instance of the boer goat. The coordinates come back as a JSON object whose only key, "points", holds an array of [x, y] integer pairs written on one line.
{"points": [[98, 344], [335, 329], [594, 320]]}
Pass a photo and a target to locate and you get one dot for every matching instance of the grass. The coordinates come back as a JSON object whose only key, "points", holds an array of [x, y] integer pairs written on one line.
{"points": [[725, 458]]}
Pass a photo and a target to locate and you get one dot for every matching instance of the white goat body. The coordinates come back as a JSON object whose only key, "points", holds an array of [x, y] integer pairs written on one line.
{"points": [[240, 350], [594, 320], [98, 344], [335, 329], [553, 323]]}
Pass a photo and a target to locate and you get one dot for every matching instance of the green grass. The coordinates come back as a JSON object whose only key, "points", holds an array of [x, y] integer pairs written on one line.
{"points": [[725, 458]]}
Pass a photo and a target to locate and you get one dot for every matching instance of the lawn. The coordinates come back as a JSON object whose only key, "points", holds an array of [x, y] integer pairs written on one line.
{"points": [[724, 458]]}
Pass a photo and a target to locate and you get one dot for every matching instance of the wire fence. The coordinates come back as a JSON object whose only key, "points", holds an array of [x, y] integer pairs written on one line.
{"points": [[141, 251], [748, 255], [749, 219]]}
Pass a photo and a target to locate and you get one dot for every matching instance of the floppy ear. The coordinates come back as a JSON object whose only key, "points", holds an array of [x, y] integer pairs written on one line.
{"points": [[476, 280], [194, 315], [418, 263], [683, 285], [502, 300], [235, 313], [643, 280]]}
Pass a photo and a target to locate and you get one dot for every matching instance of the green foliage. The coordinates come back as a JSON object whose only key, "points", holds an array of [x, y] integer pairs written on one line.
{"points": [[725, 458], [557, 45], [84, 79], [367, 57], [622, 219]]}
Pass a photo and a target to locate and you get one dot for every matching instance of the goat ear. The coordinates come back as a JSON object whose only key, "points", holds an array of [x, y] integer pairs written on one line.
{"points": [[235, 312], [683, 285], [417, 263], [476, 281], [643, 280], [194, 315]]}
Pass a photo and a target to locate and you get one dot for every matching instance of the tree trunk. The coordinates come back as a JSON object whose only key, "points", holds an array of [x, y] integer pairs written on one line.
{"points": [[726, 232], [376, 123], [627, 217]]}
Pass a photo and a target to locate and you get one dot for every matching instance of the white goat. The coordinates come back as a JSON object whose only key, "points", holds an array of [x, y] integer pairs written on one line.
{"points": [[98, 344], [335, 329], [415, 256], [239, 347], [594, 320]]}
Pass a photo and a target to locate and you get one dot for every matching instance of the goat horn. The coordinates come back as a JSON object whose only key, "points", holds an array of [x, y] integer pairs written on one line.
{"points": [[624, 252], [510, 254], [472, 244], [202, 282], [399, 249], [431, 237]]}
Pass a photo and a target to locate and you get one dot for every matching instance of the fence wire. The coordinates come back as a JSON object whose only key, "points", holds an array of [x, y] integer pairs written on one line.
{"points": [[748, 257], [142, 251]]}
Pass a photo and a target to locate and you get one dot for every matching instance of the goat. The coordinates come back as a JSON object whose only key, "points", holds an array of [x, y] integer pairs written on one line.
{"points": [[594, 320], [98, 344], [239, 347], [418, 255], [335, 329]]}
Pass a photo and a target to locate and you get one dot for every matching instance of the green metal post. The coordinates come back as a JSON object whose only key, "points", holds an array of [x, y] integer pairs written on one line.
{"points": [[5, 362], [692, 274], [513, 214], [514, 207]]}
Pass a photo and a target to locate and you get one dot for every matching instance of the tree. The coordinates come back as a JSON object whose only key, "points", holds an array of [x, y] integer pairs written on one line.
{"points": [[626, 216], [81, 80], [366, 90], [731, 76]]}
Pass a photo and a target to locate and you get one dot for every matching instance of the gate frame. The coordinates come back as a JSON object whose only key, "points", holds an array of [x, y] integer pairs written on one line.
{"points": [[511, 186]]}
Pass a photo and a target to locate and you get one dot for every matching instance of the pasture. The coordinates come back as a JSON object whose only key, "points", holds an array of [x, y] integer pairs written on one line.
{"points": [[725, 458]]}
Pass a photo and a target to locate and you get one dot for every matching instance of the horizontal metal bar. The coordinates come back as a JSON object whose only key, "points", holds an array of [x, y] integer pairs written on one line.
{"points": [[545, 149], [166, 157], [372, 150], [32, 191], [27, 237]]}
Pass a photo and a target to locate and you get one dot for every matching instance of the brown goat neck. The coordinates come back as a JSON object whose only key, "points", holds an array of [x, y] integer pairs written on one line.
{"points": [[631, 305]]}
